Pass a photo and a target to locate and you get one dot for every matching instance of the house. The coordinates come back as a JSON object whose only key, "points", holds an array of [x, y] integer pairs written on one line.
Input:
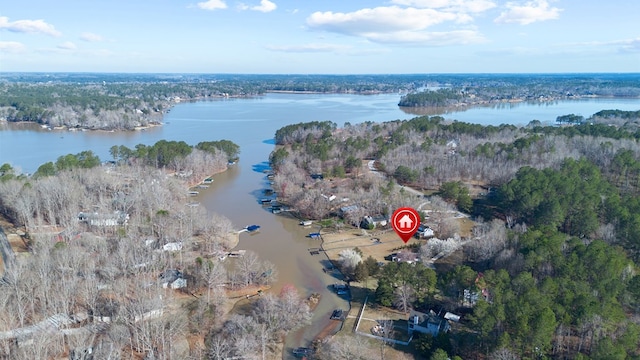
{"points": [[429, 323], [405, 222], [173, 279], [102, 220], [370, 222], [405, 256], [424, 232]]}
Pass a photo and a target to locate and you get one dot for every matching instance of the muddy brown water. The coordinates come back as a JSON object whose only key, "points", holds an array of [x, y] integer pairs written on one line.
{"points": [[280, 240], [251, 123]]}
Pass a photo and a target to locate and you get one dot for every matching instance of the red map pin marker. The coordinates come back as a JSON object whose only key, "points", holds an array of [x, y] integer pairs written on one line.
{"points": [[405, 222]]}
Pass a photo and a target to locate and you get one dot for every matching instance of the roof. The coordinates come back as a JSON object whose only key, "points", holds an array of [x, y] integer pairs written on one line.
{"points": [[170, 275], [427, 323]]}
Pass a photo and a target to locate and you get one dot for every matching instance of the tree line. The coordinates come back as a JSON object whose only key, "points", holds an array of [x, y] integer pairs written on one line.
{"points": [[552, 265], [106, 280]]}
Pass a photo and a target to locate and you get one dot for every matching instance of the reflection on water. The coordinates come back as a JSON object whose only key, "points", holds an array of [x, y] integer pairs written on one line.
{"points": [[521, 113], [236, 193], [262, 167]]}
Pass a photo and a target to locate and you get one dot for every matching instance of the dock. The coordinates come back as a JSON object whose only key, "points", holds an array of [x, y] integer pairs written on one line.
{"points": [[237, 253]]}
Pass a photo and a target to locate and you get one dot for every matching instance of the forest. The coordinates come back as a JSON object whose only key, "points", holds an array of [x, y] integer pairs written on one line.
{"points": [[130, 101], [97, 252], [554, 254], [550, 268]]}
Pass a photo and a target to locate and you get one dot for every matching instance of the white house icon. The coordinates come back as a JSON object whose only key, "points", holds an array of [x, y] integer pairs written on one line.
{"points": [[405, 222]]}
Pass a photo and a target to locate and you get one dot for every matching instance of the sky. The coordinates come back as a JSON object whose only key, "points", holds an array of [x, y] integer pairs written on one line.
{"points": [[320, 36]]}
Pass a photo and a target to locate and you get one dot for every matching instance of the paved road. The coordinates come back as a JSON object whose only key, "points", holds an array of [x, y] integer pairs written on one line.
{"points": [[372, 169]]}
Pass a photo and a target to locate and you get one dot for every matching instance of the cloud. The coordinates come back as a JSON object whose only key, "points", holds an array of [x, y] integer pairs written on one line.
{"points": [[28, 26], [265, 6], [91, 37], [624, 45], [466, 6], [325, 48], [212, 5], [67, 45], [530, 12], [631, 45], [395, 24], [12, 47], [309, 48], [380, 20], [436, 38]]}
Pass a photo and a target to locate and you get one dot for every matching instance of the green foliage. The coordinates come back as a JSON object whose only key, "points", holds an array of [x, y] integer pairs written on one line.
{"points": [[298, 132], [439, 354], [163, 152], [453, 283], [528, 306], [570, 119], [384, 292], [7, 172], [438, 98], [420, 278], [338, 171], [620, 114], [228, 147], [570, 199], [458, 193], [351, 163], [85, 159], [372, 265], [277, 157], [46, 169], [589, 129], [361, 272], [405, 175]]}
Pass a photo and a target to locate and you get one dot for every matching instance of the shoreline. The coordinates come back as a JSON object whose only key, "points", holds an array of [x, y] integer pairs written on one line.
{"points": [[463, 106], [409, 109]]}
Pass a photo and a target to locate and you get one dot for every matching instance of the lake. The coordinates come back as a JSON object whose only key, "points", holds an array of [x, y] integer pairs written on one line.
{"points": [[251, 123]]}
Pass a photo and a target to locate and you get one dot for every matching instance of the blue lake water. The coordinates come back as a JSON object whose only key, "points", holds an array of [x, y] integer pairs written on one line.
{"points": [[251, 123]]}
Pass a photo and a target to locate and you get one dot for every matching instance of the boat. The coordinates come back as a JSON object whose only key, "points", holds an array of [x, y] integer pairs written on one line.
{"points": [[207, 180], [202, 186], [306, 222], [302, 352], [252, 228], [315, 235], [337, 314], [340, 289], [193, 193], [265, 201]]}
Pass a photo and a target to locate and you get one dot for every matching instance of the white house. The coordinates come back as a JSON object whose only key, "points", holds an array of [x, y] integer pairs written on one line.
{"points": [[173, 246], [426, 323], [425, 232]]}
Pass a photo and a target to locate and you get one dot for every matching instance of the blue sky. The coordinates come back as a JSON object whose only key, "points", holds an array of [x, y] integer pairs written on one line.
{"points": [[320, 36]]}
